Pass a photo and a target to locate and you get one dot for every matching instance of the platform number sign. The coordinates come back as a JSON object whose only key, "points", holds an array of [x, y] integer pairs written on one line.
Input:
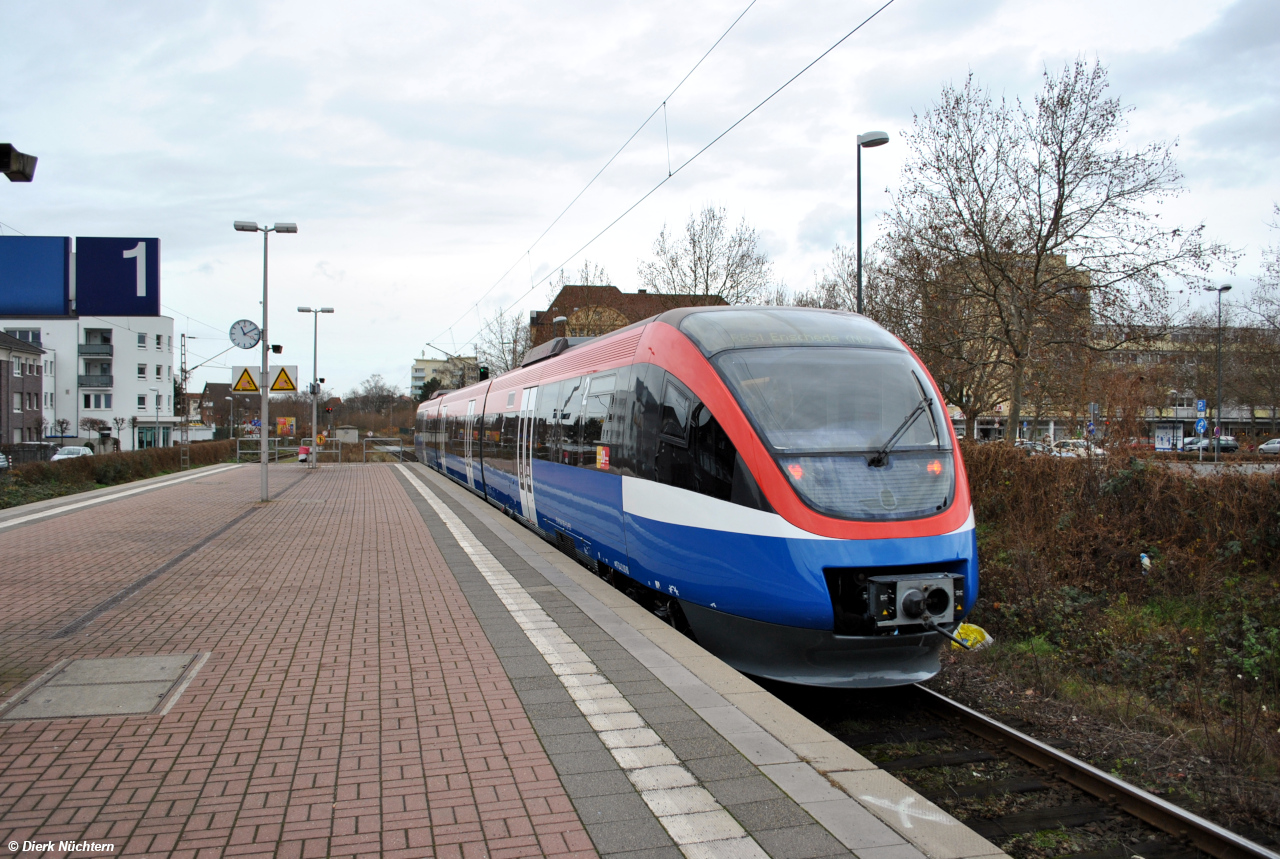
{"points": [[118, 276], [138, 253]]}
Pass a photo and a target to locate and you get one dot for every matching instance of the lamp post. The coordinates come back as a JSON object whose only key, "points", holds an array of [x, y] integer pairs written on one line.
{"points": [[252, 227], [312, 461], [231, 417], [155, 442], [868, 140], [1217, 432]]}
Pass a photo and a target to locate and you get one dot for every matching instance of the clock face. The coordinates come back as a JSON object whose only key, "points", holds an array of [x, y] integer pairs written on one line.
{"points": [[245, 334]]}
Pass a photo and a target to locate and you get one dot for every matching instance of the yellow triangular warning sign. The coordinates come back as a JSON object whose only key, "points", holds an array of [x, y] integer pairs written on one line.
{"points": [[283, 382], [245, 384]]}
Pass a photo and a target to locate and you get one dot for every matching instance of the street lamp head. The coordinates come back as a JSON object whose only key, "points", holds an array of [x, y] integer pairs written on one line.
{"points": [[873, 138], [559, 319], [326, 310], [1226, 287], [18, 166], [304, 309], [247, 226], [285, 228]]}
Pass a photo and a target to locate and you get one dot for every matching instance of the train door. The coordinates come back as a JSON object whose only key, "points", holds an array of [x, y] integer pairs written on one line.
{"points": [[468, 446], [442, 436], [524, 454]]}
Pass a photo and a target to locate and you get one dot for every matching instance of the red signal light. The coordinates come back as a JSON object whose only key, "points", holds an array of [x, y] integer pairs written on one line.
{"points": [[796, 471], [934, 467]]}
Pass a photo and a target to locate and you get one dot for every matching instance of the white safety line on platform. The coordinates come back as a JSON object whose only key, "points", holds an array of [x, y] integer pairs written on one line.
{"points": [[102, 499], [696, 822]]}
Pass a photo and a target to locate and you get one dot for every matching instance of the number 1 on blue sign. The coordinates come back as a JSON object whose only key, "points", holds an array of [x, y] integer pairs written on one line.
{"points": [[138, 253]]}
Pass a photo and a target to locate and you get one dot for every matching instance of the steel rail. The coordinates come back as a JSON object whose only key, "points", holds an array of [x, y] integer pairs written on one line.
{"points": [[1164, 815]]}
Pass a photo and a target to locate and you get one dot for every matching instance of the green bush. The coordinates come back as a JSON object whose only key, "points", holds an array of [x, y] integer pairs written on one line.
{"points": [[109, 469]]}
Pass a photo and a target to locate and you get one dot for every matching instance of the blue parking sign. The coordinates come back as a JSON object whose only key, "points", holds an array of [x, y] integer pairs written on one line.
{"points": [[1201, 406]]}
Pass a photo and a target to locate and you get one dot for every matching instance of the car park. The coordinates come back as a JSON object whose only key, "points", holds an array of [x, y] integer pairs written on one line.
{"points": [[71, 452]]}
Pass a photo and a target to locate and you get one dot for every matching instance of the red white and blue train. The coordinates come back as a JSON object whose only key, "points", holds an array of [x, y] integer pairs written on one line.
{"points": [[783, 483]]}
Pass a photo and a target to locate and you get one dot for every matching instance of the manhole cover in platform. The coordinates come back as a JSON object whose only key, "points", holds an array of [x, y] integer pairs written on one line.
{"points": [[121, 686]]}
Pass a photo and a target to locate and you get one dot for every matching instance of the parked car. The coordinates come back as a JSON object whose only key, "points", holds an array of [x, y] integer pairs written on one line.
{"points": [[71, 452], [1077, 447], [4, 462], [1035, 448], [1272, 446], [1226, 444]]}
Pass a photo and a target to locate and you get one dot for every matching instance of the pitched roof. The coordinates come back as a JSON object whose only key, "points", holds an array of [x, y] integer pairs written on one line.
{"points": [[8, 341]]}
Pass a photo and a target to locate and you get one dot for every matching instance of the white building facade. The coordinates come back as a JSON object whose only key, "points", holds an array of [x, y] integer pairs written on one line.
{"points": [[105, 368]]}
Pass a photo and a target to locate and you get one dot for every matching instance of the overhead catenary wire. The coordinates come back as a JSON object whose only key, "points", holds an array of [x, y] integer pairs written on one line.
{"points": [[661, 106], [695, 155]]}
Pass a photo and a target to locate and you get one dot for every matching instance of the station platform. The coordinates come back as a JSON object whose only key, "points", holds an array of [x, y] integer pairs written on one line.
{"points": [[376, 663]]}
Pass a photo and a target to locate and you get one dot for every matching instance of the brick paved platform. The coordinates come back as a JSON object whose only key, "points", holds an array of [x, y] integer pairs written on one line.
{"points": [[391, 668]]}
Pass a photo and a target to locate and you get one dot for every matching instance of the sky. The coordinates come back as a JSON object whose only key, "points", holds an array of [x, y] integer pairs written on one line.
{"points": [[424, 148]]}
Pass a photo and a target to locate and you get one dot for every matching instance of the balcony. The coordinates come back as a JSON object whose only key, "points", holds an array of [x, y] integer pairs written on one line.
{"points": [[96, 381], [96, 349]]}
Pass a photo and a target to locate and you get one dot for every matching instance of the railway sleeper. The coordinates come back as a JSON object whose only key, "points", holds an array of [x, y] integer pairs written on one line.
{"points": [[942, 759], [1000, 828], [995, 788], [907, 735]]}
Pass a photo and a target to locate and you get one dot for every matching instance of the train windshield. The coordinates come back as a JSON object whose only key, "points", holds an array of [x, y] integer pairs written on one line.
{"points": [[857, 431]]}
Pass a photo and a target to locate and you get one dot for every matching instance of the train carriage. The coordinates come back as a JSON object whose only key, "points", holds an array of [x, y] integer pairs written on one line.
{"points": [[783, 483]]}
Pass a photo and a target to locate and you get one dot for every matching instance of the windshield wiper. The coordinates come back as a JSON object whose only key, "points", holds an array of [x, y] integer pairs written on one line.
{"points": [[882, 455]]}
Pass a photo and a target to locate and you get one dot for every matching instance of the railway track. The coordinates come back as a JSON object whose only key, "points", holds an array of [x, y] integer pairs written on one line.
{"points": [[1028, 796]]}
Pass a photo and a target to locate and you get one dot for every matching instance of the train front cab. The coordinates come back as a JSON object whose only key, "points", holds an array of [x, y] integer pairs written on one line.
{"points": [[651, 469]]}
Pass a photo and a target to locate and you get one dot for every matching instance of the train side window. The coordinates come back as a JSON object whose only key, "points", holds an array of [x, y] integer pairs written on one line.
{"points": [[596, 412], [674, 417], [507, 441], [714, 456], [490, 428], [568, 406], [545, 427]]}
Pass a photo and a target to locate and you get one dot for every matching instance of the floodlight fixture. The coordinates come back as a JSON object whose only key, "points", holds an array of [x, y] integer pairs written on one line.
{"points": [[18, 166]]}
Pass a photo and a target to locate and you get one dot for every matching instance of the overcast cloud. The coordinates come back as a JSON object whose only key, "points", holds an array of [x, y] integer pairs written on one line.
{"points": [[422, 148]]}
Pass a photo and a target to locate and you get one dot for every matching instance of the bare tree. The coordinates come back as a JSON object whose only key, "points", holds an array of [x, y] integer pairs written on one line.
{"points": [[1044, 218], [837, 289], [373, 395], [710, 261], [503, 342], [589, 275]]}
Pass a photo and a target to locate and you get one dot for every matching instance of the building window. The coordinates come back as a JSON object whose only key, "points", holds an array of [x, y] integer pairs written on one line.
{"points": [[17, 402], [142, 401], [17, 367], [168, 402], [106, 401], [142, 340], [168, 372], [142, 371], [159, 342], [169, 342]]}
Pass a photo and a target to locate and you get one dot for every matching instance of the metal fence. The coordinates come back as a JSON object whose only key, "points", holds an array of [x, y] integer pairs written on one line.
{"points": [[251, 449], [384, 445]]}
